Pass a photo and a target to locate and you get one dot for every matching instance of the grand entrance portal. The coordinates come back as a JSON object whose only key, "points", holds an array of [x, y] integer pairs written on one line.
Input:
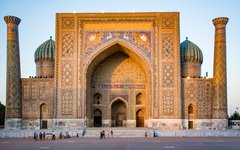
{"points": [[114, 80], [118, 111]]}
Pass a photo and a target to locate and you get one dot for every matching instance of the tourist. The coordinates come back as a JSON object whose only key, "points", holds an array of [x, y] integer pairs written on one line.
{"points": [[53, 136], [107, 132], [103, 134], [145, 134], [35, 136], [111, 131], [67, 135], [40, 135], [60, 135]]}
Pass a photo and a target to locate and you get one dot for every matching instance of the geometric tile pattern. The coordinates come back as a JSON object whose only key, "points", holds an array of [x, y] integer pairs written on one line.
{"points": [[67, 102], [168, 72], [168, 103], [167, 47], [199, 93], [44, 91], [67, 45], [14, 91], [34, 91], [167, 22], [67, 22], [67, 73], [220, 82], [39, 91]]}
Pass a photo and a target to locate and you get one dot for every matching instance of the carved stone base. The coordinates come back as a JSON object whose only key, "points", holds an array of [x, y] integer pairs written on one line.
{"points": [[68, 124], [33, 124], [198, 124], [13, 123], [220, 124], [167, 124]]}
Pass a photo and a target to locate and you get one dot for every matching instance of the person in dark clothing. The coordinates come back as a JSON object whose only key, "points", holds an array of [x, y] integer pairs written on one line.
{"points": [[35, 136], [53, 136], [103, 132], [111, 132], [40, 135]]}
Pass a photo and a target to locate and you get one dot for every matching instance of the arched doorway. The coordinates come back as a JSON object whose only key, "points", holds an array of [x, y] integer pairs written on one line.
{"points": [[97, 118], [119, 115], [43, 116], [140, 118], [191, 116]]}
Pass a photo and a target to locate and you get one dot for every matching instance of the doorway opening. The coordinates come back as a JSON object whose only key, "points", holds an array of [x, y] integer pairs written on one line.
{"points": [[140, 118], [97, 118], [118, 111]]}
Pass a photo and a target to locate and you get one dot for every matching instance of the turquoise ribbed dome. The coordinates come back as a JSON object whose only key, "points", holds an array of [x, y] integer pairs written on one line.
{"points": [[45, 51], [190, 52]]}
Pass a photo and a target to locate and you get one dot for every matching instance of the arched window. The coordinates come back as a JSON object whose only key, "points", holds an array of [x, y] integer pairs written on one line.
{"points": [[97, 99], [190, 109], [139, 99]]}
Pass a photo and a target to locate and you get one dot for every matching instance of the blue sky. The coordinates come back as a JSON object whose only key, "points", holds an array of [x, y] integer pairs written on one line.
{"points": [[38, 24]]}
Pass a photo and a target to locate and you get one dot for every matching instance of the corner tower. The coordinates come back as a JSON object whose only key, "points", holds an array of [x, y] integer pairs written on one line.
{"points": [[220, 76], [14, 93]]}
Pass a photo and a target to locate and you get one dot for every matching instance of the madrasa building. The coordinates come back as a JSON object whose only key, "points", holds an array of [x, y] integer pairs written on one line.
{"points": [[117, 70]]}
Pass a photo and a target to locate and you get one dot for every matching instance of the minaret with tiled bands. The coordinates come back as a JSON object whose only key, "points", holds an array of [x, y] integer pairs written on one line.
{"points": [[220, 72], [14, 91]]}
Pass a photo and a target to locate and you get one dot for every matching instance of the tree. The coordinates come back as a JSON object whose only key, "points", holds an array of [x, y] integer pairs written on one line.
{"points": [[235, 116], [2, 114]]}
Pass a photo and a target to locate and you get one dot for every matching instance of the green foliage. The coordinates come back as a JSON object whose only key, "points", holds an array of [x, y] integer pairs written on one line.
{"points": [[2, 113], [235, 116]]}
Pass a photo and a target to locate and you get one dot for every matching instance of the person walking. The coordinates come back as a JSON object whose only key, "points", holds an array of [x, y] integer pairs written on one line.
{"points": [[40, 135], [111, 132], [35, 136], [53, 135]]}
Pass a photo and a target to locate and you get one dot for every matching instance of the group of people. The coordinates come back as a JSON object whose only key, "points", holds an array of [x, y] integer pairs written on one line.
{"points": [[61, 136], [107, 133], [41, 136]]}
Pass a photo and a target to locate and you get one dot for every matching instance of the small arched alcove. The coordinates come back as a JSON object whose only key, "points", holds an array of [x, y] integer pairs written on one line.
{"points": [[191, 116], [43, 116], [97, 99]]}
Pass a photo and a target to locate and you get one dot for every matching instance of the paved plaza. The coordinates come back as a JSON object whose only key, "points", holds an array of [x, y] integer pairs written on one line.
{"points": [[114, 143]]}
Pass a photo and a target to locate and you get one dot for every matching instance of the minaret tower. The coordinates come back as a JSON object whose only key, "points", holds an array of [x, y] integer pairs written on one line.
{"points": [[14, 93], [219, 115]]}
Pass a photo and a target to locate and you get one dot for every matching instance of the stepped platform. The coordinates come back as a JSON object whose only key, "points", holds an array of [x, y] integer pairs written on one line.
{"points": [[123, 132], [119, 132]]}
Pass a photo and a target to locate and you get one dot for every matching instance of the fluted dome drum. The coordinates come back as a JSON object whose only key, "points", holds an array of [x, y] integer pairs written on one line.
{"points": [[191, 59], [44, 59]]}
